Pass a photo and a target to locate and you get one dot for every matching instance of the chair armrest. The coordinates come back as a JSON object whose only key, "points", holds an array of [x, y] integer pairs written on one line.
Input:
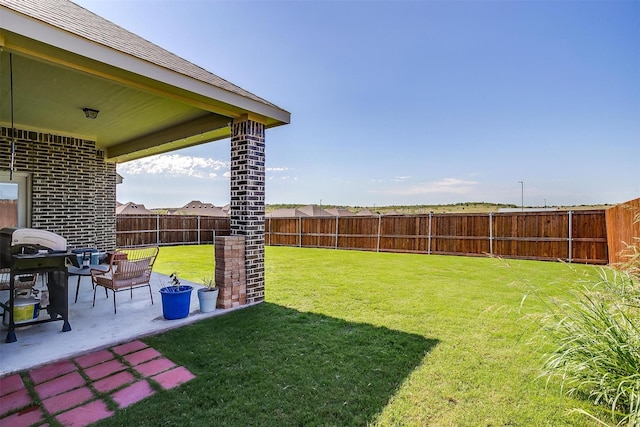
{"points": [[99, 272]]}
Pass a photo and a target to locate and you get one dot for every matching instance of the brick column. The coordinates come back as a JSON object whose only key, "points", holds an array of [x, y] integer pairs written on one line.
{"points": [[230, 271], [247, 199]]}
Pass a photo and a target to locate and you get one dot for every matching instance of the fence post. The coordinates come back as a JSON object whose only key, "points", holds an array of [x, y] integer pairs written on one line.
{"points": [[379, 224], [299, 232], [429, 235], [490, 233], [157, 229], [269, 231], [570, 236], [198, 229], [337, 217]]}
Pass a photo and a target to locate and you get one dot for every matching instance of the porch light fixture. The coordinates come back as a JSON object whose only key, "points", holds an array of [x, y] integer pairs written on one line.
{"points": [[90, 113]]}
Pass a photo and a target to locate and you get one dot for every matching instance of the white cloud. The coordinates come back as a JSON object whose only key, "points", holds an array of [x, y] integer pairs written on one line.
{"points": [[401, 178], [175, 165], [445, 186], [274, 173]]}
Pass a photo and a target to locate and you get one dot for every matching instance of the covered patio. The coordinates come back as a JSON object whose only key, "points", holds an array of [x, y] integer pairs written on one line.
{"points": [[94, 328], [79, 94]]}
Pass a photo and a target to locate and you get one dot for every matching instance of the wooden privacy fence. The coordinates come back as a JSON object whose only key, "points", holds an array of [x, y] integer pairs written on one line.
{"points": [[573, 236], [623, 229], [141, 230]]}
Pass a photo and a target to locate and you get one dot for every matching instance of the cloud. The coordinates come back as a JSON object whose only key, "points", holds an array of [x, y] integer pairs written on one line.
{"points": [[180, 165], [401, 178], [273, 173], [446, 186], [175, 165]]}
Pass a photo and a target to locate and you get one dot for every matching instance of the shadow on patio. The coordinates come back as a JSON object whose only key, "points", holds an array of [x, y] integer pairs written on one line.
{"points": [[93, 328]]}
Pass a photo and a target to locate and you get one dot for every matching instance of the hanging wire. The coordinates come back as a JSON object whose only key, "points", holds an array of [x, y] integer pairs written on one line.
{"points": [[13, 130]]}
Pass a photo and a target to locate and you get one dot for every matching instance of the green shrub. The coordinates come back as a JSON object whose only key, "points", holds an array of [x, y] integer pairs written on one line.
{"points": [[596, 344], [594, 336]]}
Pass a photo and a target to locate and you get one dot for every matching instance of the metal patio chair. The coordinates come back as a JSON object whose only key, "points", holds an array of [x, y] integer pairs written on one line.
{"points": [[128, 269]]}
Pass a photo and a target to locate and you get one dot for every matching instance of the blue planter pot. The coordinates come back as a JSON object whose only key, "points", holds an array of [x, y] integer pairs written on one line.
{"points": [[176, 301]]}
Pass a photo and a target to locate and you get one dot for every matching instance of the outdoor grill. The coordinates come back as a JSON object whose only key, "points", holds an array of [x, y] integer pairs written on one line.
{"points": [[29, 251]]}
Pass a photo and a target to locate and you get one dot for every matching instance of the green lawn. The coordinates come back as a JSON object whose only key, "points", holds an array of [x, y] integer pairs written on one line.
{"points": [[350, 338]]}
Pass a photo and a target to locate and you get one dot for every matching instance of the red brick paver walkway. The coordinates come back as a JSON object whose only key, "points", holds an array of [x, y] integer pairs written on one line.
{"points": [[122, 373]]}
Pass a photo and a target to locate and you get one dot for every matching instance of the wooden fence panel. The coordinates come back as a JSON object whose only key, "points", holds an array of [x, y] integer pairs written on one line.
{"points": [[318, 232], [399, 233], [460, 234], [175, 229], [531, 235], [623, 229], [136, 230], [282, 231], [358, 232], [142, 230], [589, 237], [211, 226]]}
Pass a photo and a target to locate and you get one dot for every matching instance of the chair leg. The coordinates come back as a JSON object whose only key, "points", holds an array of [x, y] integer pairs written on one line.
{"points": [[94, 295], [114, 302], [151, 294]]}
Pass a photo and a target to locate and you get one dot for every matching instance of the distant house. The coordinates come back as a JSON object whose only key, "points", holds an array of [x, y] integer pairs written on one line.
{"points": [[131, 208], [339, 212], [196, 207], [314, 210], [365, 212], [304, 211], [285, 213]]}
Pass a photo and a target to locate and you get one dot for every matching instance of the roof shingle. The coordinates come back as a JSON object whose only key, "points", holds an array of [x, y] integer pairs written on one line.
{"points": [[70, 17]]}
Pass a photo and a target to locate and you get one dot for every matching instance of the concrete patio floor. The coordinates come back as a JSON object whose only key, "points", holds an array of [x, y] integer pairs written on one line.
{"points": [[93, 328]]}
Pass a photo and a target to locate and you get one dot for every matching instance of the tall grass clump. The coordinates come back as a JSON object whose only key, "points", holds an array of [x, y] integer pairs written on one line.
{"points": [[594, 336]]}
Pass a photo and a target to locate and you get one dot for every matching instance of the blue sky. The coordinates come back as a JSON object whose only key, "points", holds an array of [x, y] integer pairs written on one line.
{"points": [[410, 102]]}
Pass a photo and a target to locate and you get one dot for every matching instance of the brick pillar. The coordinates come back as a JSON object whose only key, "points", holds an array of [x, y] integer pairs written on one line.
{"points": [[230, 272], [247, 199]]}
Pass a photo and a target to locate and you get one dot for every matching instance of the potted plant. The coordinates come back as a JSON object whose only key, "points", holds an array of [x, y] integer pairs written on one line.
{"points": [[208, 296], [176, 299]]}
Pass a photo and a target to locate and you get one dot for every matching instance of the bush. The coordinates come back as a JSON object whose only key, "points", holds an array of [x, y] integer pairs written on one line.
{"points": [[595, 339], [595, 336]]}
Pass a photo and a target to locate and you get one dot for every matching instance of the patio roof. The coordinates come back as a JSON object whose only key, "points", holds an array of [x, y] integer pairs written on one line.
{"points": [[66, 58]]}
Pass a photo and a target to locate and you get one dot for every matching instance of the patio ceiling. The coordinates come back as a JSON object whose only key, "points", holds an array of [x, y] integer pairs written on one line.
{"points": [[149, 100]]}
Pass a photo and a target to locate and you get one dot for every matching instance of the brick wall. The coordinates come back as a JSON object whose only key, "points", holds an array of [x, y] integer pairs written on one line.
{"points": [[72, 187]]}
